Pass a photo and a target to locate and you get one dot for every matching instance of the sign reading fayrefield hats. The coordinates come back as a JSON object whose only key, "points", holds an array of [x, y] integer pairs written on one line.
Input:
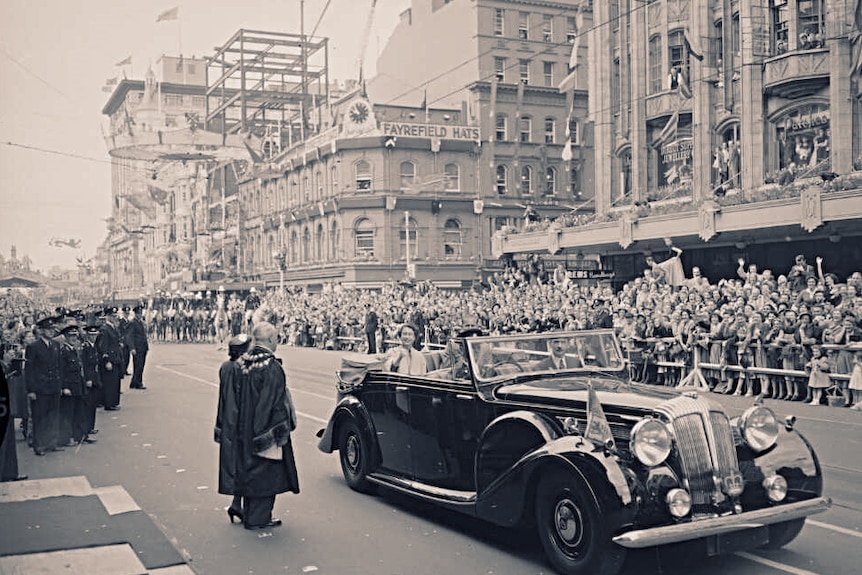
{"points": [[430, 131]]}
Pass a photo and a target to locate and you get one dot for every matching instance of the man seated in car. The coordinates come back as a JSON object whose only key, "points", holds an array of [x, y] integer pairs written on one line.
{"points": [[560, 356], [453, 364]]}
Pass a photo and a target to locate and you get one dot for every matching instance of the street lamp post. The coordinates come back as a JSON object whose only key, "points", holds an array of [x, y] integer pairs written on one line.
{"points": [[280, 258]]}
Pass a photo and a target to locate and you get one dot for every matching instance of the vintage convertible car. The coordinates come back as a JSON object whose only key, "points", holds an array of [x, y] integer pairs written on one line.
{"points": [[545, 430]]}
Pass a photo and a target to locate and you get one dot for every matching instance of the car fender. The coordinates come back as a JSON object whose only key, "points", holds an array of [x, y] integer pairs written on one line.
{"points": [[508, 471], [348, 406], [793, 457]]}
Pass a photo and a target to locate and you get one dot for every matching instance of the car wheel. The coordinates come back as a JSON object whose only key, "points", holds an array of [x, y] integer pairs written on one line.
{"points": [[354, 453], [570, 528], [780, 534]]}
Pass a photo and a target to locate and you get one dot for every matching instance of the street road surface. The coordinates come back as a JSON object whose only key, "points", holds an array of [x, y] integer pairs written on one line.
{"points": [[160, 447]]}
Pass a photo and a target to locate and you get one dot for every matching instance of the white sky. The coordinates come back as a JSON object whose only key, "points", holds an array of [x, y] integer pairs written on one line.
{"points": [[55, 56]]}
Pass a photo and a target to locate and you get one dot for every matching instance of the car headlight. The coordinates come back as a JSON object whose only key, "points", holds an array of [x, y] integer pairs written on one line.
{"points": [[651, 441], [758, 426], [776, 488], [678, 502]]}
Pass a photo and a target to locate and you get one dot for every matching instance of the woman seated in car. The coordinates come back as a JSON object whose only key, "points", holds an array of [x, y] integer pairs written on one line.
{"points": [[403, 358]]}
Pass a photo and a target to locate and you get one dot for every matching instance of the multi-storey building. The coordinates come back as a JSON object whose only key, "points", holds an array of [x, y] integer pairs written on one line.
{"points": [[463, 128], [731, 128]]}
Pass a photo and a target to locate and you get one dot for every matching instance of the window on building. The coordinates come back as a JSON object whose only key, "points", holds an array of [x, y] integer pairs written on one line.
{"points": [[306, 188], [550, 181], [548, 73], [574, 131], [173, 100], [810, 23], [655, 65], [780, 26], [452, 239], [500, 69], [526, 181], [524, 25], [453, 177], [575, 180], [500, 128], [333, 241], [525, 129], [333, 179], [550, 130], [524, 71], [318, 243], [626, 173], [294, 247], [499, 22], [318, 183], [363, 238], [363, 175], [571, 29], [409, 230], [502, 179], [294, 192], [677, 55], [407, 174], [547, 28], [306, 245]]}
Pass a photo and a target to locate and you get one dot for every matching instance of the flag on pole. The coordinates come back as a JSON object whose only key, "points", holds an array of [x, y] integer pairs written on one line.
{"points": [[668, 133], [598, 430], [567, 149], [171, 14], [856, 42], [124, 62], [690, 50], [568, 82]]}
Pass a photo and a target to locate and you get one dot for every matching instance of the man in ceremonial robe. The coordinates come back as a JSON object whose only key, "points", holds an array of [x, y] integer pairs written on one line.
{"points": [[265, 464]]}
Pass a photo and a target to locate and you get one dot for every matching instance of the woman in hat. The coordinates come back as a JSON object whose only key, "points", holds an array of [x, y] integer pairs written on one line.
{"points": [[404, 358], [230, 377]]}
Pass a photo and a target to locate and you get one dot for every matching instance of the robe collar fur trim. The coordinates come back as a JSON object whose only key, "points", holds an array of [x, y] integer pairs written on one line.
{"points": [[257, 358]]}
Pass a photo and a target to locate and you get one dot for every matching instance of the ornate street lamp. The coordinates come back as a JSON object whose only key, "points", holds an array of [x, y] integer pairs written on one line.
{"points": [[280, 257]]}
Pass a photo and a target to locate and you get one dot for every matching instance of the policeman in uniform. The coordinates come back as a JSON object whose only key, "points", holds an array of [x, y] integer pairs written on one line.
{"points": [[92, 383], [108, 346], [73, 428], [136, 342], [42, 377]]}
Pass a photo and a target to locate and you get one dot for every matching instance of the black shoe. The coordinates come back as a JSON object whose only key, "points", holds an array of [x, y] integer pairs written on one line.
{"points": [[114, 408], [39, 451], [93, 432], [233, 513], [272, 523], [89, 440]]}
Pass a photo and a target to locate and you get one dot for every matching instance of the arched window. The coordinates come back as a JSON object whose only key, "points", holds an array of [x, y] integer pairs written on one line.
{"points": [[502, 178], [407, 173], [550, 181], [294, 247], [452, 239], [306, 245], [363, 175], [526, 180], [294, 192], [318, 243], [270, 249], [453, 177], [626, 173], [318, 183], [363, 238], [409, 229], [654, 57], [306, 189], [333, 180], [333, 241]]}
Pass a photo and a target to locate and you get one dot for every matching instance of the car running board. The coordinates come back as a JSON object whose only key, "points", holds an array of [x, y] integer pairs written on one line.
{"points": [[410, 487]]}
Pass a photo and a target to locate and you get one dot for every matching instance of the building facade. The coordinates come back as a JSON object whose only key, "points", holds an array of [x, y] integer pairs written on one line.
{"points": [[731, 129]]}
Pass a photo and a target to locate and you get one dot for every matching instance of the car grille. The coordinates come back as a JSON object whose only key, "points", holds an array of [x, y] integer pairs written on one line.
{"points": [[705, 447]]}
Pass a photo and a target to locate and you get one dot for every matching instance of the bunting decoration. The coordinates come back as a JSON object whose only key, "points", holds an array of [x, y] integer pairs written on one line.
{"points": [[689, 49], [568, 83]]}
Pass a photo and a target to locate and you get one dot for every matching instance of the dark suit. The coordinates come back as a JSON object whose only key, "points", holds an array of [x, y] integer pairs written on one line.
{"points": [[110, 353], [549, 363], [371, 325], [71, 406], [42, 376], [136, 341]]}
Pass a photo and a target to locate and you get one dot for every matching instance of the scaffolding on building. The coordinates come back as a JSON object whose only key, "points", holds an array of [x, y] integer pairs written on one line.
{"points": [[271, 87]]}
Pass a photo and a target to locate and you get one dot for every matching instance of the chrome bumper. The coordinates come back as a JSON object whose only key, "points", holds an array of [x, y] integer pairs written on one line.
{"points": [[718, 525]]}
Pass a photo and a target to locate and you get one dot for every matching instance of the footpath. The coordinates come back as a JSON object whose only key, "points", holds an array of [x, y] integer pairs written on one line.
{"points": [[54, 524]]}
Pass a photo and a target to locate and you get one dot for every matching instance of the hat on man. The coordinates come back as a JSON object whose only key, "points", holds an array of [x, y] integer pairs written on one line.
{"points": [[91, 328], [72, 327], [46, 322], [238, 344], [138, 308]]}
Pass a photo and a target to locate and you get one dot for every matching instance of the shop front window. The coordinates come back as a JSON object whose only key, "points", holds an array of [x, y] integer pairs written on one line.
{"points": [[804, 140]]}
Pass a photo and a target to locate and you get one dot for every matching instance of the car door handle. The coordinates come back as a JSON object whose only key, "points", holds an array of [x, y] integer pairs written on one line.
{"points": [[464, 396]]}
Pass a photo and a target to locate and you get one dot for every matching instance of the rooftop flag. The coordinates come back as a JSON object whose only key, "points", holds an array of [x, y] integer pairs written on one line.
{"points": [[171, 14], [124, 62]]}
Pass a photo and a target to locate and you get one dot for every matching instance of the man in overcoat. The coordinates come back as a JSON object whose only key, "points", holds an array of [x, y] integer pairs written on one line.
{"points": [[110, 359], [264, 460], [136, 341], [42, 377]]}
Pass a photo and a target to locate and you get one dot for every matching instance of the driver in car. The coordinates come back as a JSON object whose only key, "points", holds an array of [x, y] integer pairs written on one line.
{"points": [[560, 356]]}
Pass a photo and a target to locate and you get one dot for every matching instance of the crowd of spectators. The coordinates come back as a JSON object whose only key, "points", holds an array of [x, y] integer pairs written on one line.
{"points": [[667, 323]]}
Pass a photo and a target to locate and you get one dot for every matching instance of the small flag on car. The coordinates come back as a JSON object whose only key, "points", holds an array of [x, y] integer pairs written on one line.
{"points": [[598, 430]]}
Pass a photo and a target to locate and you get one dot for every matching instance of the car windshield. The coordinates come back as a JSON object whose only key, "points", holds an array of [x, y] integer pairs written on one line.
{"points": [[492, 358]]}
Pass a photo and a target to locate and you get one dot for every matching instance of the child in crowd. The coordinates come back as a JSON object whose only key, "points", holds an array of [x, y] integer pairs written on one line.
{"points": [[856, 381], [818, 380]]}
